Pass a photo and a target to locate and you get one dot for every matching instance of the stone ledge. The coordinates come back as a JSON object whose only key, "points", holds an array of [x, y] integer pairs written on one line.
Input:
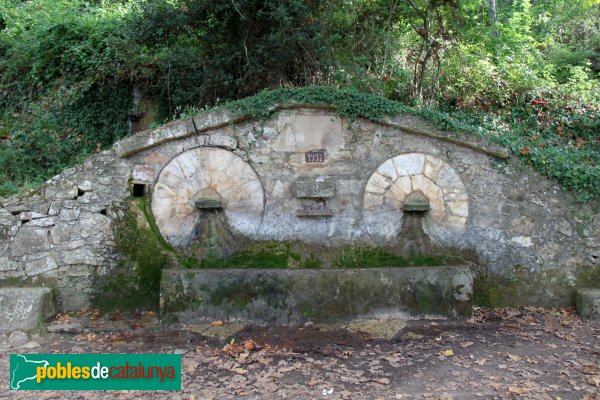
{"points": [[291, 296], [147, 139], [219, 118], [24, 308], [588, 303]]}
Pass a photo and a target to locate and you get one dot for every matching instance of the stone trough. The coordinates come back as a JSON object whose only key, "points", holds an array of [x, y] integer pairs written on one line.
{"points": [[292, 296]]}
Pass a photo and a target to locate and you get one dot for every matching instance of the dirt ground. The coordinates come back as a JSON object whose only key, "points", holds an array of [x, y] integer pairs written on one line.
{"points": [[527, 353]]}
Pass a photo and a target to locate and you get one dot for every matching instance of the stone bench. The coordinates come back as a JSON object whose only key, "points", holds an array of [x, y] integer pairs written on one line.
{"points": [[24, 308]]}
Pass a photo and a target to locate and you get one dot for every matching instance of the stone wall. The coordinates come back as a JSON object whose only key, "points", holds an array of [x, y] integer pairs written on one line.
{"points": [[60, 235], [304, 175]]}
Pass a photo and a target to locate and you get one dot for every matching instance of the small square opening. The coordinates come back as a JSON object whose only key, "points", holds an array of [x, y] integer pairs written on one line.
{"points": [[139, 190]]}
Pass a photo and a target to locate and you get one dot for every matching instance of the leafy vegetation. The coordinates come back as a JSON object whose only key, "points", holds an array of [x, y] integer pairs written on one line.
{"points": [[260, 255], [523, 73], [373, 257]]}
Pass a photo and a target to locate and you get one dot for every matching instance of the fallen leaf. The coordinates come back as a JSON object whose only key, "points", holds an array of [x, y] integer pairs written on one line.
{"points": [[190, 366], [447, 353], [593, 380], [532, 361], [514, 358], [217, 323], [466, 344], [481, 361], [249, 345], [517, 390], [589, 369], [383, 381], [240, 371]]}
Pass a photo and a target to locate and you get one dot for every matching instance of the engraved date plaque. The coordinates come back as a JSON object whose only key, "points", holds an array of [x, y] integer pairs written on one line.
{"points": [[315, 156]]}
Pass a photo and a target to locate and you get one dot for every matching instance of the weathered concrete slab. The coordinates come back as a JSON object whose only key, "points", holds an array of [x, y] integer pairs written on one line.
{"points": [[327, 295], [588, 303], [24, 308]]}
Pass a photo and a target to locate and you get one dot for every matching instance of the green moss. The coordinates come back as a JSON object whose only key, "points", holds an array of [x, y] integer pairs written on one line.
{"points": [[149, 218], [270, 254], [240, 293], [311, 263], [257, 255], [521, 286], [588, 277], [29, 281], [188, 262], [424, 304], [372, 257], [136, 281]]}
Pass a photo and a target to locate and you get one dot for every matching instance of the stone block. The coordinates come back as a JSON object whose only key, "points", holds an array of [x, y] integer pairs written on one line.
{"points": [[314, 188], [39, 265], [61, 192], [227, 142], [213, 119], [324, 295], [301, 133], [24, 308], [29, 240], [588, 303], [409, 164], [151, 138], [7, 264]]}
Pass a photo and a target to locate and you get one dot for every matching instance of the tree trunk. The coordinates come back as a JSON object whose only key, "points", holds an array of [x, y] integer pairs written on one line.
{"points": [[492, 15]]}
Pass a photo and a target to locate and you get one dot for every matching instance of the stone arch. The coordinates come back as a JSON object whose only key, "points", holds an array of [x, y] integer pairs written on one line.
{"points": [[396, 178], [233, 182]]}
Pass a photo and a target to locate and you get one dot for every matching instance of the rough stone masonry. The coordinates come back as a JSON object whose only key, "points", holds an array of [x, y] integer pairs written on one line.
{"points": [[61, 235]]}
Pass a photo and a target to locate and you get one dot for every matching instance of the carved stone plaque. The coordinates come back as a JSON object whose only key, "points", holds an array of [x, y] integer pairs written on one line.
{"points": [[315, 156]]}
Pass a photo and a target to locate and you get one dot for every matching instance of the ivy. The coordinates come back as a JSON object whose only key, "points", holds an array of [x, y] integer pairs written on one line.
{"points": [[347, 102]]}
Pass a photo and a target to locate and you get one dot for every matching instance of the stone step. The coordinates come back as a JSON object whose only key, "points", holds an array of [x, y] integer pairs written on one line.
{"points": [[23, 308], [588, 303]]}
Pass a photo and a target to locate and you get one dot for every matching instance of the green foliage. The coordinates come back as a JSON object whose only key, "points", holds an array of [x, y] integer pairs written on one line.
{"points": [[373, 257], [68, 68], [64, 92], [559, 139], [347, 102], [258, 255]]}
